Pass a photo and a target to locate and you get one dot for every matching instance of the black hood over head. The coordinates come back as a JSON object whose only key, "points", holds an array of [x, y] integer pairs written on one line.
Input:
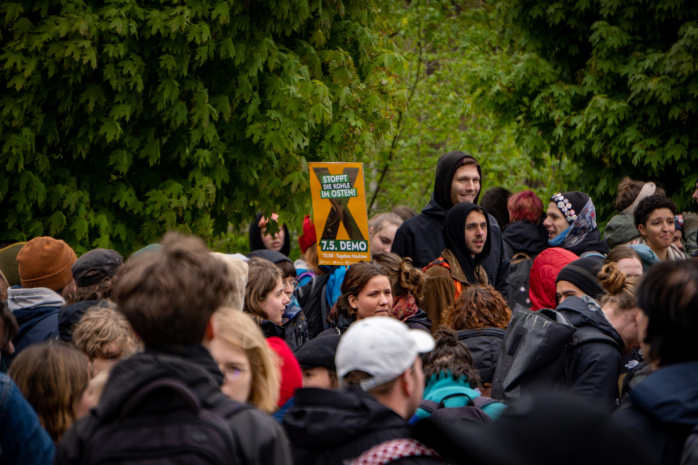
{"points": [[445, 169], [255, 234], [454, 237], [585, 311]]}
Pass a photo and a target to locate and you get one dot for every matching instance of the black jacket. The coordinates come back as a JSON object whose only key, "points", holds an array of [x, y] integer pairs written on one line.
{"points": [[420, 237], [419, 320], [484, 344], [258, 437], [662, 409], [523, 236], [335, 427], [593, 368]]}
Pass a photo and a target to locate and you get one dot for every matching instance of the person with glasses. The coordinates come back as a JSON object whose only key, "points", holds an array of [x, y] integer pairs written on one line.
{"points": [[245, 359], [294, 322]]}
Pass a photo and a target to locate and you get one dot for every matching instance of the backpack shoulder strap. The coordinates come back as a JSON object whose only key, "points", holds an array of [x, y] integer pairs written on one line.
{"points": [[395, 449], [519, 257], [441, 261], [482, 401], [442, 404], [428, 406]]}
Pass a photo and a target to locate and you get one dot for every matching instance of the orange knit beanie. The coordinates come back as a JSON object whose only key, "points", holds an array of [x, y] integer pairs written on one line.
{"points": [[45, 262]]}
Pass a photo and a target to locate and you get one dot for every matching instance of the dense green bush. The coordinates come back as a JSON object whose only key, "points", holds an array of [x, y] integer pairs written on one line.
{"points": [[610, 84], [123, 119]]}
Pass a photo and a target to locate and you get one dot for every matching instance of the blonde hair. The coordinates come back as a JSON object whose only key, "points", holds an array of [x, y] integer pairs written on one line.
{"points": [[620, 290], [100, 326], [52, 376], [240, 330], [237, 271], [381, 220]]}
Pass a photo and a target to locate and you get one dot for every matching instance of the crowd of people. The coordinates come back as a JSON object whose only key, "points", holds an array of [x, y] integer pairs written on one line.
{"points": [[493, 330]]}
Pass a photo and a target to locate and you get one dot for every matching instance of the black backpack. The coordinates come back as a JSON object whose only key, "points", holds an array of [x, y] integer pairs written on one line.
{"points": [[313, 301], [534, 350], [472, 411], [519, 272], [185, 433]]}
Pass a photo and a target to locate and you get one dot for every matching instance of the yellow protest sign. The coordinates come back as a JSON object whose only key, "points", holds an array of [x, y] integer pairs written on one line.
{"points": [[339, 212]]}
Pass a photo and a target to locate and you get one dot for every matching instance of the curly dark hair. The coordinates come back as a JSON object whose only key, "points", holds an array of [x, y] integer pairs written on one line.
{"points": [[452, 355], [477, 307], [649, 204]]}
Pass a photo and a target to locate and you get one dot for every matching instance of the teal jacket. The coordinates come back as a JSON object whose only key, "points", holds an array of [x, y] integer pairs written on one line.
{"points": [[443, 384]]}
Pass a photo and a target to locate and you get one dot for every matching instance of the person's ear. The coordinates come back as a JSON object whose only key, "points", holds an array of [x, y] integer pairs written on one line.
{"points": [[406, 383], [352, 301], [210, 331], [641, 229]]}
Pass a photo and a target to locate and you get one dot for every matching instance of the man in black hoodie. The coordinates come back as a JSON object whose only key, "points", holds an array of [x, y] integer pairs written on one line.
{"points": [[168, 296], [467, 246], [458, 177]]}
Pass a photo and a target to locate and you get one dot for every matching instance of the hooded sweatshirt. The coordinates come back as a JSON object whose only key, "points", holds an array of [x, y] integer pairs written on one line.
{"points": [[593, 368], [36, 310], [420, 237], [544, 271], [258, 438], [440, 288], [524, 236]]}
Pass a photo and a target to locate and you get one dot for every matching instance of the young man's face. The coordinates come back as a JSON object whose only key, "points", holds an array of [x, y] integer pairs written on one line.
{"points": [[475, 232], [566, 289], [555, 222], [465, 184], [319, 377]]}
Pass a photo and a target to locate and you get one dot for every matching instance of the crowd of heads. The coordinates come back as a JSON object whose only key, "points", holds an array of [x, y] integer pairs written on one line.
{"points": [[368, 330]]}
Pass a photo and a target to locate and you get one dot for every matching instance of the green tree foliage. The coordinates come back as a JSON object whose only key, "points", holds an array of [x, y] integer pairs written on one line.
{"points": [[610, 84], [455, 58], [123, 119]]}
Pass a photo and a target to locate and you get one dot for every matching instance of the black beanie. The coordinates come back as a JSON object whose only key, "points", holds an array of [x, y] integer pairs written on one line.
{"points": [[574, 201], [318, 352], [582, 273]]}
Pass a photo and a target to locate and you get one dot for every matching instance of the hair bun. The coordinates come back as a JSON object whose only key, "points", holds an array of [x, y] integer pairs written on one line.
{"points": [[612, 278], [446, 337]]}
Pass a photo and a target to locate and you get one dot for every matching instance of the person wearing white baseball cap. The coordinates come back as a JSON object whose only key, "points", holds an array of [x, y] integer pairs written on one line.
{"points": [[380, 371]]}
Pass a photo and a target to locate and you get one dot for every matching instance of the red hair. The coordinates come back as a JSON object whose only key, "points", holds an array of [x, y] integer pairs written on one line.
{"points": [[525, 205]]}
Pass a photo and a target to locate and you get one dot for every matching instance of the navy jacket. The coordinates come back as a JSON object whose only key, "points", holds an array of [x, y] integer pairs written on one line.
{"points": [[36, 310], [662, 410]]}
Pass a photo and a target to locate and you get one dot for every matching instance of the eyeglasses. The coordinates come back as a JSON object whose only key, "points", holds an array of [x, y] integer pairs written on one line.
{"points": [[232, 373], [292, 283]]}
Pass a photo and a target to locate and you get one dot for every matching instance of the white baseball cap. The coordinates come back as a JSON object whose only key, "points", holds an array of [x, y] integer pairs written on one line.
{"points": [[383, 347]]}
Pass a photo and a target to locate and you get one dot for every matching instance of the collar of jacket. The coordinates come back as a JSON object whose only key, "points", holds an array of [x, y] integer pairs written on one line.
{"points": [[457, 272]]}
